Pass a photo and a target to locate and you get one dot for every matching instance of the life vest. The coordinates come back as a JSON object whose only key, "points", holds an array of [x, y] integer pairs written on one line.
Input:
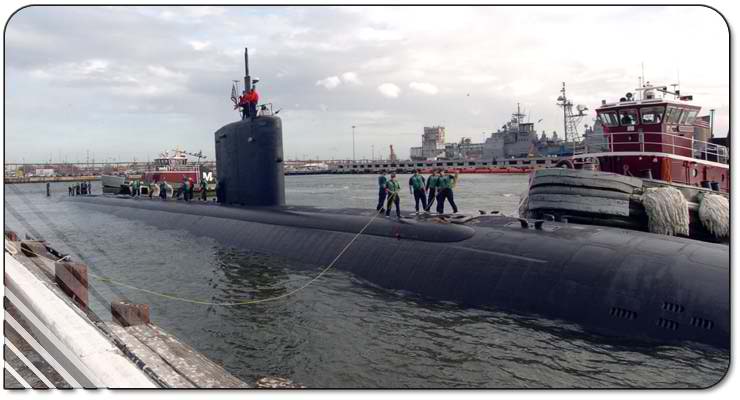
{"points": [[417, 182], [433, 181], [393, 186], [382, 180]]}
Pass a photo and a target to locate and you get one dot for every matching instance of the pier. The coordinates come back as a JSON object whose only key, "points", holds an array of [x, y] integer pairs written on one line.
{"points": [[54, 340]]}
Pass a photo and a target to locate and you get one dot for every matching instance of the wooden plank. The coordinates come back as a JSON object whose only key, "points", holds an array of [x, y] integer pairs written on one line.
{"points": [[580, 191], [152, 360], [580, 203], [195, 367]]}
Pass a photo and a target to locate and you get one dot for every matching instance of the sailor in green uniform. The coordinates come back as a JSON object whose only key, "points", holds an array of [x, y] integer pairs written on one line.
{"points": [[203, 189], [446, 183], [393, 188], [432, 183], [382, 180], [416, 187], [163, 190]]}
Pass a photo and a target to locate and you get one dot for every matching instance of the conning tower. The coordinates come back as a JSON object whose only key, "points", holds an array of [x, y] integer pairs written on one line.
{"points": [[249, 158]]}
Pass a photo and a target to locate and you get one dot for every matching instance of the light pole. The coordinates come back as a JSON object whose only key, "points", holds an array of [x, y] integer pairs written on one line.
{"points": [[372, 150], [353, 143], [711, 123]]}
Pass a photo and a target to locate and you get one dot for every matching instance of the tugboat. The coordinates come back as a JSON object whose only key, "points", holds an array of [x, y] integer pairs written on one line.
{"points": [[172, 167], [648, 147]]}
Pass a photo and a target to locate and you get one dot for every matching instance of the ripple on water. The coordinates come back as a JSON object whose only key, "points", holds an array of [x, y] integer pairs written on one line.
{"points": [[343, 331]]}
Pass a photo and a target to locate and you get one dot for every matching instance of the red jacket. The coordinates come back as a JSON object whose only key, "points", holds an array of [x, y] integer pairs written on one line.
{"points": [[253, 97]]}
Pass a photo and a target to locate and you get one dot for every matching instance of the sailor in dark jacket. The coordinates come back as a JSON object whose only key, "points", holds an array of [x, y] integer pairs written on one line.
{"points": [[382, 180]]}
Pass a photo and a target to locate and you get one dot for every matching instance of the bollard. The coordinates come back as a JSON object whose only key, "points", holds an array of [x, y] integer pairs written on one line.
{"points": [[129, 314], [72, 279], [12, 236], [34, 248]]}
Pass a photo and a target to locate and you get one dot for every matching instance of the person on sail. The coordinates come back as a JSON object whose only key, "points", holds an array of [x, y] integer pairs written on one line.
{"points": [[248, 103]]}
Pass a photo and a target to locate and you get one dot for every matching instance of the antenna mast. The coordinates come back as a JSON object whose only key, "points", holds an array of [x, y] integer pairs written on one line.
{"points": [[570, 120], [247, 78]]}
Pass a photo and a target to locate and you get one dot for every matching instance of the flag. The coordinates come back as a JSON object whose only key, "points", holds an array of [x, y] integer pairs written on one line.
{"points": [[233, 93]]}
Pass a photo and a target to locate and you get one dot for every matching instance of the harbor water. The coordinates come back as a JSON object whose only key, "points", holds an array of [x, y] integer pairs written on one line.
{"points": [[341, 331]]}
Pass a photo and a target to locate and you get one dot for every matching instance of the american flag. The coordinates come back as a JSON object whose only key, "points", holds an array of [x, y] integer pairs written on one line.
{"points": [[233, 93], [702, 122]]}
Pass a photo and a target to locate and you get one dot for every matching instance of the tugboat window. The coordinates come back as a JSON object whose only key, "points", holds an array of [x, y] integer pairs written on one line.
{"points": [[609, 118], [673, 115], [652, 115], [628, 117], [687, 118]]}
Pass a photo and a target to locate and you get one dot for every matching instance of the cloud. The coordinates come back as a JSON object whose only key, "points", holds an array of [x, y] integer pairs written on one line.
{"points": [[389, 90], [330, 82], [351, 77], [305, 54], [379, 35], [424, 87], [198, 45], [479, 78]]}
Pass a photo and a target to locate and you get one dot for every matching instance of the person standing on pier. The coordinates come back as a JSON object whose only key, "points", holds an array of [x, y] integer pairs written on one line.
{"points": [[393, 188], [416, 187], [77, 189], [445, 185], [69, 190], [48, 189], [382, 180]]}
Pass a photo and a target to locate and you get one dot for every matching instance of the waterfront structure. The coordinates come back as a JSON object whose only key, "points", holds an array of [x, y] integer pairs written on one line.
{"points": [[432, 144]]}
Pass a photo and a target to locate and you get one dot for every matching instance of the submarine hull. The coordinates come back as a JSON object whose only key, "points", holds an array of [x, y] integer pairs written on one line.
{"points": [[631, 285]]}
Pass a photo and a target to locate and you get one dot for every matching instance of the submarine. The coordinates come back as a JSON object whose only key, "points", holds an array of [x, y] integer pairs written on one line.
{"points": [[625, 284]]}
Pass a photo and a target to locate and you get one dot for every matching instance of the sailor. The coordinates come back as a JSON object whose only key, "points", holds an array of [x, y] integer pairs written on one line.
{"points": [[253, 97], [393, 189], [382, 180], [416, 187], [432, 183], [446, 183], [163, 190], [191, 188], [203, 190]]}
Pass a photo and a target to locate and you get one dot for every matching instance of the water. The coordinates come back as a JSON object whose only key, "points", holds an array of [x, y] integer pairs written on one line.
{"points": [[341, 331]]}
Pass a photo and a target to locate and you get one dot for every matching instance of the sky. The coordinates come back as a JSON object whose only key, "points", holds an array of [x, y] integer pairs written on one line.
{"points": [[115, 83]]}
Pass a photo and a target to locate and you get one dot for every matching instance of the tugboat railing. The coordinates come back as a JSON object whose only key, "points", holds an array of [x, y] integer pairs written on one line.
{"points": [[616, 142]]}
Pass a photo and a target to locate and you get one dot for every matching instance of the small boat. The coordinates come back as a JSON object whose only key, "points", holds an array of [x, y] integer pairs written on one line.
{"points": [[173, 168]]}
